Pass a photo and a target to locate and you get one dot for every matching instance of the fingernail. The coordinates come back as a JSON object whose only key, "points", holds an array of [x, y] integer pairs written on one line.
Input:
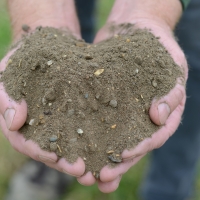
{"points": [[70, 174], [164, 112], [9, 116], [46, 159]]}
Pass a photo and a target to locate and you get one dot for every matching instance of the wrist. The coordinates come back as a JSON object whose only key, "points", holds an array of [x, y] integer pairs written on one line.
{"points": [[57, 14], [166, 13]]}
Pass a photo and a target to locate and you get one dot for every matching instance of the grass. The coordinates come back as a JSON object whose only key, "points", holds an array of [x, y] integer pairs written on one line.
{"points": [[11, 160]]}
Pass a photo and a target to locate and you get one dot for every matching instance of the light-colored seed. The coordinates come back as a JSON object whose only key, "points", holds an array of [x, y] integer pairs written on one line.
{"points": [[32, 122], [113, 103], [98, 72], [109, 152], [114, 126], [50, 62], [59, 148]]}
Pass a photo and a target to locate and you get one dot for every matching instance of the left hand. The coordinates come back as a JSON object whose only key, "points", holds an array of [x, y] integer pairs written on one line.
{"points": [[166, 111]]}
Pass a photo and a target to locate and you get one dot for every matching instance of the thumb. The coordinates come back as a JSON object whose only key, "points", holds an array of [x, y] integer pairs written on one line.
{"points": [[161, 109], [14, 113]]}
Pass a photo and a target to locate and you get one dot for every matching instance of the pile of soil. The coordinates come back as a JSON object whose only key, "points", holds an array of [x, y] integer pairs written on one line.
{"points": [[89, 101]]}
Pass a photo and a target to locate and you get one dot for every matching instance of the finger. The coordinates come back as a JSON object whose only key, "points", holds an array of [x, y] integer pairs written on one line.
{"points": [[159, 137], [14, 113], [76, 169], [108, 174], [109, 186], [31, 149], [87, 179], [162, 108], [26, 147]]}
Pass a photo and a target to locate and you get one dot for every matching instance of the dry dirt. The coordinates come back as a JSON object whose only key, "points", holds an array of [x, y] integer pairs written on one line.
{"points": [[89, 101]]}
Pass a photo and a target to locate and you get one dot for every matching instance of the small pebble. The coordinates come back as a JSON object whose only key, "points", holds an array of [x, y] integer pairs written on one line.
{"points": [[80, 131], [53, 146], [47, 112], [50, 104], [86, 95], [154, 83], [88, 57], [114, 126], [25, 28], [114, 159], [53, 138], [32, 121], [97, 96], [69, 101], [113, 103], [50, 62], [79, 63], [138, 60]]}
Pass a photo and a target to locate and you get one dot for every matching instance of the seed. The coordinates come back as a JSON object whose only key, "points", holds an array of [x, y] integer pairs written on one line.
{"points": [[113, 103], [32, 121], [59, 148], [109, 152], [69, 101], [98, 72], [114, 126], [53, 138]]}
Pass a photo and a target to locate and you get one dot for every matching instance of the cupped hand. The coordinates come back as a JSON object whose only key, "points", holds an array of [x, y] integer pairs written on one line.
{"points": [[166, 111], [13, 116]]}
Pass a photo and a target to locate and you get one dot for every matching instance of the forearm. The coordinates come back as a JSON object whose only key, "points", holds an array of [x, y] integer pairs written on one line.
{"points": [[35, 13], [164, 12]]}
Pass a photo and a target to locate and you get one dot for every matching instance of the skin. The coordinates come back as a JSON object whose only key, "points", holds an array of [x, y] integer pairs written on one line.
{"points": [[159, 16]]}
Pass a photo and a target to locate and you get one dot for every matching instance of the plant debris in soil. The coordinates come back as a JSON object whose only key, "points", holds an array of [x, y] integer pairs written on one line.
{"points": [[89, 101]]}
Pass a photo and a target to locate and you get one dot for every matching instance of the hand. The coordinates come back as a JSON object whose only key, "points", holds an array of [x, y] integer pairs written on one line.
{"points": [[166, 111], [13, 114]]}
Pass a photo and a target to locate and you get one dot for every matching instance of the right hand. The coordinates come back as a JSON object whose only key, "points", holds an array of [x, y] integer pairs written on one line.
{"points": [[13, 116]]}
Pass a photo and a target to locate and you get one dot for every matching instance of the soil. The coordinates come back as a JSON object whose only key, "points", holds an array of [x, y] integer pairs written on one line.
{"points": [[89, 101]]}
